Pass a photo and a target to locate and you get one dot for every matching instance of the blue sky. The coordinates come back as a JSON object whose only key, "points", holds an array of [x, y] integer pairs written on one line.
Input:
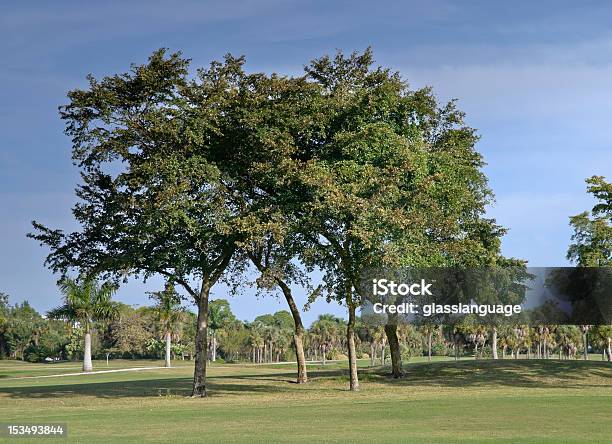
{"points": [[535, 79]]}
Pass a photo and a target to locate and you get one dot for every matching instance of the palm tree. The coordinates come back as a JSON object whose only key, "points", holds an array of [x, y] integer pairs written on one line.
{"points": [[169, 315], [585, 341], [219, 314], [325, 333], [428, 331], [85, 302]]}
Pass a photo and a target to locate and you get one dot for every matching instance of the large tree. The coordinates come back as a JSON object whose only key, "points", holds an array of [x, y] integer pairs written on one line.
{"points": [[152, 200], [274, 114], [388, 178], [85, 302]]}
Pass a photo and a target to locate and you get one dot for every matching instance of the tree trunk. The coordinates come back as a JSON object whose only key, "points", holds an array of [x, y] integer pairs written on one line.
{"points": [[87, 365], [585, 345], [168, 348], [350, 337], [429, 338], [298, 334], [609, 349], [394, 348], [324, 353], [201, 343], [494, 343]]}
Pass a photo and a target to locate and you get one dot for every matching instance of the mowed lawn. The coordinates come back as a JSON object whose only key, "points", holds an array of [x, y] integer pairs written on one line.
{"points": [[442, 401]]}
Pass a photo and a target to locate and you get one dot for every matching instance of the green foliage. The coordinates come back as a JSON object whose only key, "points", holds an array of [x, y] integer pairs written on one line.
{"points": [[22, 327], [169, 314], [592, 238], [165, 209], [85, 302], [411, 344], [220, 314]]}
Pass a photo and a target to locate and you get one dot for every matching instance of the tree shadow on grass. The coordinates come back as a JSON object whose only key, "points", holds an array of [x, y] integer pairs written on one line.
{"points": [[490, 373], [485, 373], [139, 388]]}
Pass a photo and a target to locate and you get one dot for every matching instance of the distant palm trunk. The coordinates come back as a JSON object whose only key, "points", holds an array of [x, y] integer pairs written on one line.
{"points": [[214, 346], [429, 338], [494, 343], [609, 349], [372, 352], [168, 348], [382, 351], [87, 365]]}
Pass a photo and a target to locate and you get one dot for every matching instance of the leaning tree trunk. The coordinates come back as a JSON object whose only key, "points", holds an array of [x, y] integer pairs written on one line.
{"points": [[494, 343], [352, 352], [87, 365], [201, 343], [298, 334], [168, 348], [394, 348]]}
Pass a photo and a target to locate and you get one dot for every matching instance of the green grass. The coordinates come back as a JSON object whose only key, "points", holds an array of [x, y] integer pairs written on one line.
{"points": [[443, 401]]}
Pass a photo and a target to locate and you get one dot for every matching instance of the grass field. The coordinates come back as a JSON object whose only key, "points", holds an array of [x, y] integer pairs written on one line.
{"points": [[442, 401]]}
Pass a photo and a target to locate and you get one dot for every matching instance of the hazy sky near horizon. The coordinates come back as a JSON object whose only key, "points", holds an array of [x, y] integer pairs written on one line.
{"points": [[535, 79]]}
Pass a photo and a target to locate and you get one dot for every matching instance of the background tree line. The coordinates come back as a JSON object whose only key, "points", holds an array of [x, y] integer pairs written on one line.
{"points": [[141, 333]]}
